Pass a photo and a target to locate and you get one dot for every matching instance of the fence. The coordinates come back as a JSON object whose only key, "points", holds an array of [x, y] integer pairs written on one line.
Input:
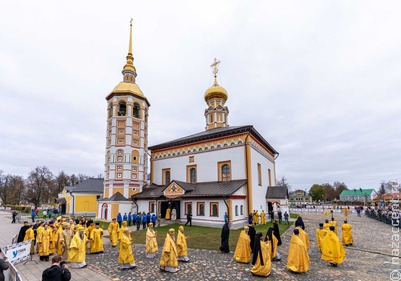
{"points": [[11, 274]]}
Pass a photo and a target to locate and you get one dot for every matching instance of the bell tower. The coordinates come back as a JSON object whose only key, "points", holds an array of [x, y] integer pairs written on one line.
{"points": [[216, 96], [126, 155]]}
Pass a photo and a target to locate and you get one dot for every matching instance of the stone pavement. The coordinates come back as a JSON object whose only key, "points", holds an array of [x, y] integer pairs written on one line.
{"points": [[32, 271], [368, 259], [369, 235]]}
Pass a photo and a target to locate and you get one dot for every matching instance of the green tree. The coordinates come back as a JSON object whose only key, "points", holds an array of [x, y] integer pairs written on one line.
{"points": [[316, 191]]}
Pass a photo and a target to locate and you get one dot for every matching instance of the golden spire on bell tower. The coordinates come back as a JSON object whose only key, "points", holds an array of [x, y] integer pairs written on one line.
{"points": [[129, 70]]}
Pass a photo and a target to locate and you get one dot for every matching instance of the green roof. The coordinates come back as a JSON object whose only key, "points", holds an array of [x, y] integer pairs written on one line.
{"points": [[357, 192]]}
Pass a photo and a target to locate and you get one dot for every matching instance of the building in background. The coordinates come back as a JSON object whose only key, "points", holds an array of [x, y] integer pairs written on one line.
{"points": [[81, 199], [358, 196], [300, 197]]}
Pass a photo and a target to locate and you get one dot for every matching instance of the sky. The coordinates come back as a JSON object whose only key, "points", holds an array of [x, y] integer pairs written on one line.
{"points": [[319, 80]]}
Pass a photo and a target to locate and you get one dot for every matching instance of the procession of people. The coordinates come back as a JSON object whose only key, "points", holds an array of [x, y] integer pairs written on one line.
{"points": [[73, 241]]}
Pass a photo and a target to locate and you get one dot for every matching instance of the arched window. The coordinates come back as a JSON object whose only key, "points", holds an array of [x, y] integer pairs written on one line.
{"points": [[122, 108], [236, 210], [242, 210], [192, 175], [110, 109], [225, 172], [120, 155], [137, 110]]}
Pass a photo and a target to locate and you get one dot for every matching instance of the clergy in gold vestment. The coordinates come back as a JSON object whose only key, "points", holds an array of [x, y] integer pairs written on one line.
{"points": [[347, 235], [65, 240], [243, 250], [44, 240], [304, 236], [255, 217], [261, 260], [38, 232], [126, 256], [88, 232], [332, 249], [121, 231], [77, 250], [97, 240], [151, 242], [30, 235], [59, 246], [113, 232], [263, 217], [320, 234], [298, 258], [335, 224], [168, 260], [182, 250], [326, 225], [168, 214]]}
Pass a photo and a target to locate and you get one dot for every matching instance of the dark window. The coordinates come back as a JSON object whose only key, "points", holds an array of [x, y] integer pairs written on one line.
{"points": [[137, 110], [122, 108], [236, 210], [192, 175], [167, 177]]}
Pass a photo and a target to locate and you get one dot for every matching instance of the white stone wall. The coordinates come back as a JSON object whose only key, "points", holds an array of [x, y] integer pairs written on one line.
{"points": [[206, 162], [259, 192]]}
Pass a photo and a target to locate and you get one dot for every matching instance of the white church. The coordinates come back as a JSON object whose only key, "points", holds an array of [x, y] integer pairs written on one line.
{"points": [[221, 169]]}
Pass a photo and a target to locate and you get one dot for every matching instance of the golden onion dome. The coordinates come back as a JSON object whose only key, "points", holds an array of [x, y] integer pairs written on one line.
{"points": [[128, 88], [216, 91]]}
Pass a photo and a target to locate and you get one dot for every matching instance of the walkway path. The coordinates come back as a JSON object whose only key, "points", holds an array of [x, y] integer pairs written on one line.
{"points": [[32, 271], [368, 259]]}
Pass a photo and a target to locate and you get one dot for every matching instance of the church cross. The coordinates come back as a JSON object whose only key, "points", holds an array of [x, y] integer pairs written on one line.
{"points": [[215, 69]]}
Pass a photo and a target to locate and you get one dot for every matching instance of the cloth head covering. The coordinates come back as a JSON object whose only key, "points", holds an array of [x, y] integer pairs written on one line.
{"points": [[171, 231], [299, 222], [332, 228], [321, 224], [257, 250], [81, 228], [276, 233], [296, 231], [97, 223], [59, 218], [150, 224], [181, 228], [269, 237]]}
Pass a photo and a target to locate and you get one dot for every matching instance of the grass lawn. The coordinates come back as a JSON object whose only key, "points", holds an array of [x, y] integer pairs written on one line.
{"points": [[294, 216], [201, 237]]}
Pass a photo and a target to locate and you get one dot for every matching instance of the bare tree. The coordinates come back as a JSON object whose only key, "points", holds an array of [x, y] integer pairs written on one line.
{"points": [[339, 187], [4, 188], [61, 180], [17, 188], [284, 182], [40, 184]]}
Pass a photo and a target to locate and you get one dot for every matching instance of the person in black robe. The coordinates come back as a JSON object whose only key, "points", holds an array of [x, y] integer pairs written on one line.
{"points": [[276, 232], [257, 249], [299, 222], [252, 233], [225, 235], [22, 231]]}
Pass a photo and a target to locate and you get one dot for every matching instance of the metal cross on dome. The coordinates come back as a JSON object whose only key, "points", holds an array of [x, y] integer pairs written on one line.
{"points": [[214, 65]]}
